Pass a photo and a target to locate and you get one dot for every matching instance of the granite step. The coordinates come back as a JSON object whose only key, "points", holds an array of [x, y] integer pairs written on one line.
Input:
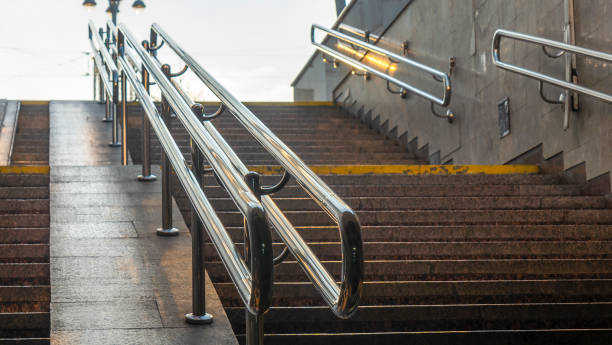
{"points": [[453, 233], [329, 251], [25, 325], [24, 274], [427, 318], [24, 253], [17, 180], [435, 203], [301, 294], [347, 191], [24, 192], [24, 221], [509, 337], [446, 270], [444, 217], [8, 206], [24, 235]]}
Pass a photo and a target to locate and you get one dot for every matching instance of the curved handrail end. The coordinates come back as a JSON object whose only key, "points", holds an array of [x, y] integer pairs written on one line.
{"points": [[352, 268], [261, 260]]}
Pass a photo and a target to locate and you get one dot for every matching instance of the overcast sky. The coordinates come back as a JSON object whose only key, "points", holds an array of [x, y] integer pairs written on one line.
{"points": [[254, 47]]}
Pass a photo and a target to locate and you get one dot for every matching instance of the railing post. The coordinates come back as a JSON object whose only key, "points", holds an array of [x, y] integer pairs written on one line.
{"points": [[146, 130], [124, 150], [115, 142], [166, 229], [95, 79], [114, 111], [103, 94], [198, 273], [254, 323]]}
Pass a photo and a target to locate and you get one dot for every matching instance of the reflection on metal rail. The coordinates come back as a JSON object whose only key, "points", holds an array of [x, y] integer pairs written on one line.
{"points": [[343, 299], [543, 78], [393, 58], [106, 70], [252, 278]]}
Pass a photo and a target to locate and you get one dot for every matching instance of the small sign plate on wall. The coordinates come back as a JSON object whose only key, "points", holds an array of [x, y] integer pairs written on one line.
{"points": [[503, 110]]}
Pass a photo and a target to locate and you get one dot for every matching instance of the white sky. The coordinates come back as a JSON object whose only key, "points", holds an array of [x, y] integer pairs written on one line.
{"points": [[253, 47]]}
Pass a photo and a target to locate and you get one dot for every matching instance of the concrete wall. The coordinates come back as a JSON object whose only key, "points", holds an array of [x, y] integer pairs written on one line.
{"points": [[438, 30]]}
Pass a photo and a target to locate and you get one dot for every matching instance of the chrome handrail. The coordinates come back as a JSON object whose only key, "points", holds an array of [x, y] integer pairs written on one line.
{"points": [[497, 60], [109, 77], [438, 75], [255, 287], [343, 300], [132, 56], [108, 60], [366, 35]]}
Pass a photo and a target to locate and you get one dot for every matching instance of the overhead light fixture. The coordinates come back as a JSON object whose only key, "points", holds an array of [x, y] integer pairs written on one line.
{"points": [[139, 6], [89, 4]]}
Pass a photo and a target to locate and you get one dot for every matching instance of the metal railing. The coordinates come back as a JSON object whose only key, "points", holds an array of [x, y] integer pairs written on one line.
{"points": [[253, 277], [393, 59], [105, 69], [543, 78]]}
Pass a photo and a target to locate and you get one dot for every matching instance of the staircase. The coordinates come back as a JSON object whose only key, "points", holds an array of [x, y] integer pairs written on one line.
{"points": [[25, 291], [31, 145], [450, 259]]}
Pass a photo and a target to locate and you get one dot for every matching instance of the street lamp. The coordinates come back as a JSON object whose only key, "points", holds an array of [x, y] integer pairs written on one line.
{"points": [[113, 7]]}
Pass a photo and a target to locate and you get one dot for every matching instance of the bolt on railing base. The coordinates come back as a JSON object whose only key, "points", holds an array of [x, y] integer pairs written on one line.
{"points": [[167, 232], [147, 178], [117, 144], [205, 319], [107, 120]]}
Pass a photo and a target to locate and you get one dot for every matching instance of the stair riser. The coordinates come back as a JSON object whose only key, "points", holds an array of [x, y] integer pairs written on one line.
{"points": [[455, 251], [433, 318], [449, 270]]}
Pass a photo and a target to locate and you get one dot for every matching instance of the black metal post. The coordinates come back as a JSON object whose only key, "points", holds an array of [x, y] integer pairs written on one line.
{"points": [[166, 229], [146, 131], [115, 111], [198, 286], [103, 95], [124, 152]]}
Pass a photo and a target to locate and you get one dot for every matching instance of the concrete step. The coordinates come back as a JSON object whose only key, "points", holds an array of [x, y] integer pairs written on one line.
{"points": [[454, 233], [24, 253], [440, 292], [427, 318], [398, 179], [347, 191], [459, 250], [511, 337], [24, 274], [24, 192], [17, 180], [446, 270], [25, 325], [444, 217], [24, 299], [24, 221], [436, 203], [8, 206], [24, 235]]}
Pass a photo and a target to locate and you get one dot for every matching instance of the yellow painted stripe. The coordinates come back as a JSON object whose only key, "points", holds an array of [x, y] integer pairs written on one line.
{"points": [[407, 169], [25, 170], [34, 102]]}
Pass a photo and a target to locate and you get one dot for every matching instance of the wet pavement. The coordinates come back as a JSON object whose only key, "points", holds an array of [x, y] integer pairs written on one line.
{"points": [[113, 280]]}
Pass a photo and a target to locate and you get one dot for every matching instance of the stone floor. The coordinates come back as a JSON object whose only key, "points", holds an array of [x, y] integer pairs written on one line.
{"points": [[113, 280]]}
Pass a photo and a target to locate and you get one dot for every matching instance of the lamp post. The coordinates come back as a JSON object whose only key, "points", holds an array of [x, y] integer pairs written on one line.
{"points": [[113, 7]]}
